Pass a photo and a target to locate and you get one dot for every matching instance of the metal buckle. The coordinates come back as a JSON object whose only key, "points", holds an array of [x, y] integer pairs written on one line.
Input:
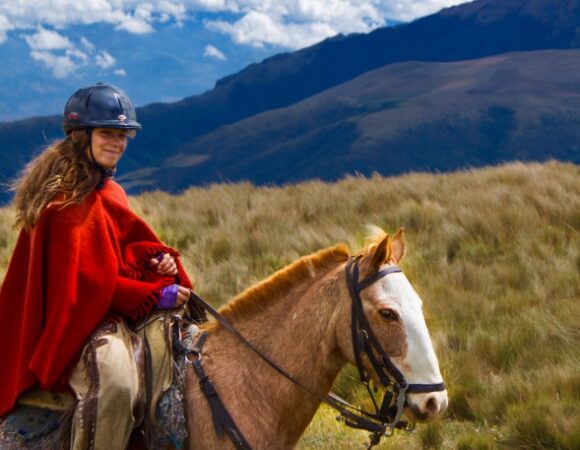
{"points": [[189, 357]]}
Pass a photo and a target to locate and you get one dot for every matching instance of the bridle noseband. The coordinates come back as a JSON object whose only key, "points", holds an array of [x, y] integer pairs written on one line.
{"points": [[365, 342], [386, 417]]}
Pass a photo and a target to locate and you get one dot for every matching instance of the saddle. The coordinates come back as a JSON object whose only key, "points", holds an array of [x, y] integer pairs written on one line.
{"points": [[41, 419]]}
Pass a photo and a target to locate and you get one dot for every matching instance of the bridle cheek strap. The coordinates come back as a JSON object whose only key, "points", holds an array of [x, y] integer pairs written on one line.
{"points": [[365, 342]]}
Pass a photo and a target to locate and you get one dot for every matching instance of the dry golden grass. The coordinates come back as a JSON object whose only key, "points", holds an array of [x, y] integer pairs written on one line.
{"points": [[495, 254]]}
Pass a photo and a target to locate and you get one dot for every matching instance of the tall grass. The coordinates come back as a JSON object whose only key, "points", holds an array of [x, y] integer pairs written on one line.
{"points": [[494, 253]]}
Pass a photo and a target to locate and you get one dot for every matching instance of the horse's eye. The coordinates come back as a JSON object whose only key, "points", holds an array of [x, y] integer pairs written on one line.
{"points": [[389, 314]]}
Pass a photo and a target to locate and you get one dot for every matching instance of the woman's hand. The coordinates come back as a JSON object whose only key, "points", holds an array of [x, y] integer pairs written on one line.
{"points": [[173, 296], [165, 264], [183, 294]]}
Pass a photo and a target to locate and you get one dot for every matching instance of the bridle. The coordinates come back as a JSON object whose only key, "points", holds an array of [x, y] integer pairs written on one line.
{"points": [[389, 413], [381, 422]]}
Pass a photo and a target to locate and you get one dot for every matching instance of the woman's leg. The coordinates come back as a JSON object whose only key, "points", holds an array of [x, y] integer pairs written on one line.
{"points": [[108, 386]]}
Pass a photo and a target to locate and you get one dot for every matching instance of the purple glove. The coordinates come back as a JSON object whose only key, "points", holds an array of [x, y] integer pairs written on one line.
{"points": [[168, 297]]}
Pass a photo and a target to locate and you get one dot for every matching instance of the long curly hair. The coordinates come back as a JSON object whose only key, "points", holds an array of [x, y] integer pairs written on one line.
{"points": [[64, 173]]}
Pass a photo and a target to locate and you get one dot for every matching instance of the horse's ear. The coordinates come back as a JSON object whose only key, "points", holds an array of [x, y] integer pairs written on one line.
{"points": [[381, 254], [398, 247]]}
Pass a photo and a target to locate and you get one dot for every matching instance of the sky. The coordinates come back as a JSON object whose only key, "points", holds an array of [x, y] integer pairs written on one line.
{"points": [[286, 24], [164, 50]]}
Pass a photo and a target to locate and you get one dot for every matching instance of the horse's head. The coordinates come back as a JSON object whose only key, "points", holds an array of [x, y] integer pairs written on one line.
{"points": [[392, 325]]}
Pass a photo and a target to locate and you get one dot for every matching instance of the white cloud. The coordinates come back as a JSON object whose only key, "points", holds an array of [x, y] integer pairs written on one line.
{"points": [[257, 29], [104, 60], [407, 10], [5, 27], [287, 23], [213, 5], [78, 54], [298, 23], [87, 44], [134, 16], [135, 25], [47, 40], [212, 52], [168, 10], [61, 66], [137, 16], [55, 51], [121, 72]]}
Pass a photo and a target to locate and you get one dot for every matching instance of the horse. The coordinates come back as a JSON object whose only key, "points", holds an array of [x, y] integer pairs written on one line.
{"points": [[301, 318]]}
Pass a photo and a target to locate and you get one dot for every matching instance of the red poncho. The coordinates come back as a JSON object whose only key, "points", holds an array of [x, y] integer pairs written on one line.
{"points": [[77, 267]]}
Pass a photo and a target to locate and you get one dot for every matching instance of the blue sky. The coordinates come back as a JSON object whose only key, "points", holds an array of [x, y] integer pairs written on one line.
{"points": [[48, 46]]}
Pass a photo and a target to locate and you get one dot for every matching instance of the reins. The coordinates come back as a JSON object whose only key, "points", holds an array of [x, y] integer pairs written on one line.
{"points": [[332, 400], [386, 416]]}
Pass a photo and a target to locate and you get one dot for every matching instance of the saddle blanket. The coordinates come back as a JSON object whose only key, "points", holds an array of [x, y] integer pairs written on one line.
{"points": [[38, 428]]}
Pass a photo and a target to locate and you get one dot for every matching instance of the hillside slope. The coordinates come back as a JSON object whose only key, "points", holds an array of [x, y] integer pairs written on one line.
{"points": [[494, 254], [402, 117]]}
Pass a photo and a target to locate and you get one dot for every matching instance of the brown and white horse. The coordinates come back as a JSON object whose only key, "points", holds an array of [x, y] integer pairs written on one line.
{"points": [[301, 318]]}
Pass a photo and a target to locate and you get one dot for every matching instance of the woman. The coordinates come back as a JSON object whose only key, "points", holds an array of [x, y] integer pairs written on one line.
{"points": [[84, 264]]}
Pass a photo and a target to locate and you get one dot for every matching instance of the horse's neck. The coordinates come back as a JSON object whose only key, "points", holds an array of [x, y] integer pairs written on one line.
{"points": [[297, 332]]}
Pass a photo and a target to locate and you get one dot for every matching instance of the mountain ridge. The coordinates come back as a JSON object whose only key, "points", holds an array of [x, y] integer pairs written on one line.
{"points": [[470, 113], [467, 31]]}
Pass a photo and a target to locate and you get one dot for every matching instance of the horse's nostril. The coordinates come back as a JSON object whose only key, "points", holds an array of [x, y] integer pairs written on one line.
{"points": [[431, 406]]}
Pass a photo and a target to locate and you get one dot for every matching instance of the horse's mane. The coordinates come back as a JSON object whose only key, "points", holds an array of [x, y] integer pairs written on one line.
{"points": [[260, 294]]}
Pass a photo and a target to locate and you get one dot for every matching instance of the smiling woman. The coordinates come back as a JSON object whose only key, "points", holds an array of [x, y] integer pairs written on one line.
{"points": [[85, 269], [108, 145]]}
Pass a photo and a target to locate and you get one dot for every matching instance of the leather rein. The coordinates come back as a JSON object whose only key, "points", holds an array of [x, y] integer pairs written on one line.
{"points": [[381, 422]]}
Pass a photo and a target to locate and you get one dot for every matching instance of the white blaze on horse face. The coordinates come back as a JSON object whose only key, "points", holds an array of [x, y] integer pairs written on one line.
{"points": [[419, 365]]}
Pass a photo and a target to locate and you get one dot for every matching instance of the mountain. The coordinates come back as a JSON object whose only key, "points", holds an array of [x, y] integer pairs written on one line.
{"points": [[399, 118], [465, 32], [468, 31]]}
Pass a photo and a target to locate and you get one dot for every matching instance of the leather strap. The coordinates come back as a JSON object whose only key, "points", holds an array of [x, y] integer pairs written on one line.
{"points": [[371, 422], [222, 420]]}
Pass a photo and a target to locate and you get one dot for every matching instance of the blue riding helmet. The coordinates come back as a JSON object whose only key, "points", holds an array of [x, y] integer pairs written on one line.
{"points": [[99, 106]]}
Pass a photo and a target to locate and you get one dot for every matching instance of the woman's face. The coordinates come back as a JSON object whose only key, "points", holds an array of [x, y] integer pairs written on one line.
{"points": [[108, 145]]}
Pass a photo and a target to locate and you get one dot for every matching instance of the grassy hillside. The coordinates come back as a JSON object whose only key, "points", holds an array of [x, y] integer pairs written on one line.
{"points": [[494, 253]]}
